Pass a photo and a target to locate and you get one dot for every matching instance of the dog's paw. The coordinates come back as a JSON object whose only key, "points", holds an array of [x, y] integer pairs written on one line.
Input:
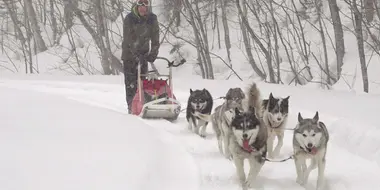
{"points": [[229, 156], [244, 187], [249, 183], [202, 134], [300, 181], [320, 185]]}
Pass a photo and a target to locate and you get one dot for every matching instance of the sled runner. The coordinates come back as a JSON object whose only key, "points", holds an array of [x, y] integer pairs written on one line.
{"points": [[154, 98]]}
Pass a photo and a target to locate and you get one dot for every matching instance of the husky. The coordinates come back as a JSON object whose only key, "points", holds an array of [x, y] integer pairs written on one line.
{"points": [[275, 115], [199, 101], [248, 141], [310, 140], [221, 122]]}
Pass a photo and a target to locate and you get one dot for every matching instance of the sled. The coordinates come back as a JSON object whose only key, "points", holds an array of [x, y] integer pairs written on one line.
{"points": [[154, 98]]}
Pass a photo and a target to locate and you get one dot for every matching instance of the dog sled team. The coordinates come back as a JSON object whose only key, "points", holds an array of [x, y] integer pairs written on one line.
{"points": [[246, 127]]}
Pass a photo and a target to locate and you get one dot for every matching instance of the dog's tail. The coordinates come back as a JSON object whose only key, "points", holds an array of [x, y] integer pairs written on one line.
{"points": [[254, 99], [204, 117]]}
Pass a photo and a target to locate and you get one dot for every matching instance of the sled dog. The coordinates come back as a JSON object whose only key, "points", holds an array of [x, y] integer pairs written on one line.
{"points": [[248, 141], [275, 116], [199, 101], [310, 140], [221, 122]]}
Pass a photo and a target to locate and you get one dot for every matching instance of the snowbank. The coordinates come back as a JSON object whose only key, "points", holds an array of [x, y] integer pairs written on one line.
{"points": [[48, 142], [350, 117]]}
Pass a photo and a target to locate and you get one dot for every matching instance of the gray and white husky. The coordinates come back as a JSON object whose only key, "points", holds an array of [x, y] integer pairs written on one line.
{"points": [[310, 140], [248, 141], [275, 116], [221, 122]]}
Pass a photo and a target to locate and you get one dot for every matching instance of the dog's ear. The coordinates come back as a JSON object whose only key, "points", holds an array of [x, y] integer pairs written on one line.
{"points": [[228, 94], [299, 117], [191, 91], [204, 91], [316, 117], [271, 96], [287, 98]]}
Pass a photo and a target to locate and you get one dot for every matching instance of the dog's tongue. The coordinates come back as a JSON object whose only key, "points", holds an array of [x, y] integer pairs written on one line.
{"points": [[314, 150], [246, 144]]}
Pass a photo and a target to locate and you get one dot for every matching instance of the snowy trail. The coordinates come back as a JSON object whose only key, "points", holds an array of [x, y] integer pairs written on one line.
{"points": [[344, 170], [48, 143]]}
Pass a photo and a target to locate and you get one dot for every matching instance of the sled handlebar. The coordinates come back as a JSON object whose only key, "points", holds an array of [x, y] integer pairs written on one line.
{"points": [[171, 63]]}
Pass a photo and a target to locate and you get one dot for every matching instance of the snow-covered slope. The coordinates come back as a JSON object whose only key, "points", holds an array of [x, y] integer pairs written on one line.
{"points": [[49, 142], [352, 158]]}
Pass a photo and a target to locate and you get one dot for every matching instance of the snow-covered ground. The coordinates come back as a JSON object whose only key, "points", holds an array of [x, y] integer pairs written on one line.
{"points": [[53, 139], [50, 142]]}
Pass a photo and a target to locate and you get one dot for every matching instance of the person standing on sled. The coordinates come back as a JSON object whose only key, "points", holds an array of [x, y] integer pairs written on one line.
{"points": [[140, 26]]}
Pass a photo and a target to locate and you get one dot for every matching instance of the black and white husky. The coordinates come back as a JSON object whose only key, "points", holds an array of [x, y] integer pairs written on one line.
{"points": [[199, 101], [310, 142], [275, 115]]}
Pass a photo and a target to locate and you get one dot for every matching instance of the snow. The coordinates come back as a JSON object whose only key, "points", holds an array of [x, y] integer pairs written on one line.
{"points": [[62, 131], [50, 142], [105, 148], [60, 58]]}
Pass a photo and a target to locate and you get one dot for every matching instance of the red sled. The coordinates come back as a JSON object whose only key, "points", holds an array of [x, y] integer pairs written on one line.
{"points": [[154, 98]]}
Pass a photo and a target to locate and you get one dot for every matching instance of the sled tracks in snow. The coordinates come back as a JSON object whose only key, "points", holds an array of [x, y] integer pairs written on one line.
{"points": [[216, 172]]}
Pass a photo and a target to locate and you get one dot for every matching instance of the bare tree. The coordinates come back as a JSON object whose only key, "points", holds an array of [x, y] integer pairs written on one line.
{"points": [[201, 39], [227, 41], [36, 31], [107, 57], [339, 38], [245, 25], [54, 24], [358, 18]]}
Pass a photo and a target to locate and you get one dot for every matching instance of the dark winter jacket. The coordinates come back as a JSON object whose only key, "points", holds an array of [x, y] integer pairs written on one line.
{"points": [[137, 33]]}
